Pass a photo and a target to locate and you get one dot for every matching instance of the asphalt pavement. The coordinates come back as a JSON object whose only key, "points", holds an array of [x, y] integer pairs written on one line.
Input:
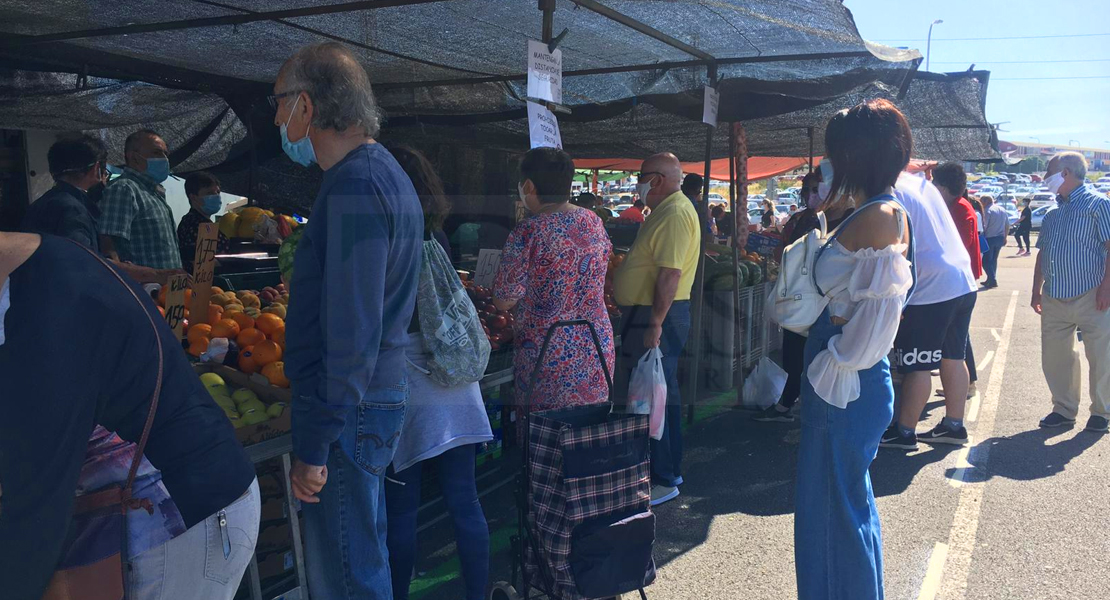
{"points": [[1021, 513]]}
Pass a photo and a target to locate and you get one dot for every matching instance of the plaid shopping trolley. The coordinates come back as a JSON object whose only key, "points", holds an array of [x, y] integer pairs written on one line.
{"points": [[585, 527]]}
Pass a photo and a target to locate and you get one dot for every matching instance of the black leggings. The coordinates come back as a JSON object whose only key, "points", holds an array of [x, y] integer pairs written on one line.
{"points": [[1019, 236], [793, 361]]}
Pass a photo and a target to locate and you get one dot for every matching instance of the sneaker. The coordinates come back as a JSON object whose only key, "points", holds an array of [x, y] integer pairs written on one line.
{"points": [[942, 434], [678, 481], [772, 414], [892, 438], [1097, 424], [661, 494], [1056, 419]]}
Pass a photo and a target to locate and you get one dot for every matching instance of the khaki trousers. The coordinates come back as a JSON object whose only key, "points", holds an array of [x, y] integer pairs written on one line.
{"points": [[1060, 356]]}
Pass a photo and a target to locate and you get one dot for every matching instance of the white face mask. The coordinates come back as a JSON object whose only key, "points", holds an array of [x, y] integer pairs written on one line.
{"points": [[643, 188], [520, 191], [1054, 182], [825, 185]]}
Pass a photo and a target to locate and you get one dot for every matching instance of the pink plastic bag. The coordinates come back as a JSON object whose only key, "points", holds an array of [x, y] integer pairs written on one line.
{"points": [[647, 391]]}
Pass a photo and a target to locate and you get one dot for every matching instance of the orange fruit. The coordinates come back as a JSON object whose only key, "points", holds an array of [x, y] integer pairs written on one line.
{"points": [[268, 323], [247, 363], [279, 337], [275, 372], [216, 290], [198, 346], [243, 319], [215, 313], [162, 311], [266, 352], [225, 328], [249, 337], [200, 331]]}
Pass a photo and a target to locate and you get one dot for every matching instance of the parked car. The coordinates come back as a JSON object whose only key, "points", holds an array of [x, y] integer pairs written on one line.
{"points": [[1041, 199], [1036, 178], [1038, 214], [717, 199], [622, 207], [1023, 178]]}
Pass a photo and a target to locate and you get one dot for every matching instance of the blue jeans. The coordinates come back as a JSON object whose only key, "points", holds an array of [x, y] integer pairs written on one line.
{"points": [[990, 258], [345, 533], [204, 563], [666, 453], [838, 545], [456, 477]]}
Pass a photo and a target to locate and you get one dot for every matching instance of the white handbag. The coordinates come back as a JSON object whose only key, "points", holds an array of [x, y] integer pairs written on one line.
{"points": [[795, 301]]}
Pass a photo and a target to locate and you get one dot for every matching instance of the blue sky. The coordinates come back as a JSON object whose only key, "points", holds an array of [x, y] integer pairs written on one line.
{"points": [[1055, 111]]}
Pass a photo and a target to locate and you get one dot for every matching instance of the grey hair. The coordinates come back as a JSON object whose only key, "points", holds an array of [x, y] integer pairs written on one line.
{"points": [[338, 86], [1074, 162]]}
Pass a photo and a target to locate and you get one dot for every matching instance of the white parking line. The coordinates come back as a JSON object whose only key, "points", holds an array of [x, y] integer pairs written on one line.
{"points": [[936, 570], [986, 360], [994, 332], [965, 524]]}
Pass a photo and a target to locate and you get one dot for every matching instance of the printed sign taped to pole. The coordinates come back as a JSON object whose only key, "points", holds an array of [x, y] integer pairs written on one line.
{"points": [[710, 105], [543, 127], [545, 73]]}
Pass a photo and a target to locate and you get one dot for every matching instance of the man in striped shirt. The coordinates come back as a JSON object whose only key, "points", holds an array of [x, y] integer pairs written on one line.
{"points": [[1071, 292]]}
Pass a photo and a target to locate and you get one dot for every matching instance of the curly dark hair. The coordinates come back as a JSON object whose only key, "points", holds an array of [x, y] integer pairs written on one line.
{"points": [[427, 183]]}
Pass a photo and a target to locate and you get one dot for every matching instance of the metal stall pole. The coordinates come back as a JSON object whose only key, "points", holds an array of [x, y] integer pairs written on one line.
{"points": [[809, 132], [738, 345], [698, 295]]}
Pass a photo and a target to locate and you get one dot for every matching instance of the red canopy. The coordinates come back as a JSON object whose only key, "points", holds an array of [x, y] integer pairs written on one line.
{"points": [[759, 167]]}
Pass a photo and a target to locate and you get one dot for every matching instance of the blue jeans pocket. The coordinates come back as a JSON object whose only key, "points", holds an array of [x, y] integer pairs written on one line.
{"points": [[378, 427]]}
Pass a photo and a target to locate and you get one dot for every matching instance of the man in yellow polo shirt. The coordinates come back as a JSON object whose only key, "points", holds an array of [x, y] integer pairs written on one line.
{"points": [[652, 288]]}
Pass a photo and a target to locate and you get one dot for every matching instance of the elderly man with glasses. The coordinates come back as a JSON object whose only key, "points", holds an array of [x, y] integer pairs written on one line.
{"points": [[653, 289]]}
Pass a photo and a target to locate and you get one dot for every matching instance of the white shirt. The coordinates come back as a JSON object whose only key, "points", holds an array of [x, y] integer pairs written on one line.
{"points": [[868, 288], [943, 265]]}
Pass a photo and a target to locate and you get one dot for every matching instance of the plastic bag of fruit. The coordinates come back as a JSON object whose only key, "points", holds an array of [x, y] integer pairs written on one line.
{"points": [[647, 391]]}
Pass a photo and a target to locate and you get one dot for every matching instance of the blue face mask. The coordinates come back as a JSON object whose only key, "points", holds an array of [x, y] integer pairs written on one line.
{"points": [[211, 204], [300, 151], [158, 169]]}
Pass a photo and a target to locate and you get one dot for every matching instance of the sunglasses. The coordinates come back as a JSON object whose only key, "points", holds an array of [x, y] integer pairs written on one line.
{"points": [[273, 99]]}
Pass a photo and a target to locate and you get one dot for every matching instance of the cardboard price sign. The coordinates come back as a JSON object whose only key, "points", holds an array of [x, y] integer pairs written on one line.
{"points": [[204, 265], [488, 261], [175, 304], [763, 244]]}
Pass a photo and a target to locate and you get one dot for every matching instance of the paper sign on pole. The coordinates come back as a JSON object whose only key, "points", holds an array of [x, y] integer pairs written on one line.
{"points": [[710, 105], [488, 261], [204, 265], [543, 127], [175, 304], [545, 73]]}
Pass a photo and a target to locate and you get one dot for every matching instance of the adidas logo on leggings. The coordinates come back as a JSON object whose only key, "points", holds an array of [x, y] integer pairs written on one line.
{"points": [[915, 356]]}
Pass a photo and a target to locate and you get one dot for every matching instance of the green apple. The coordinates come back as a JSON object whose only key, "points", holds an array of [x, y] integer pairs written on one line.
{"points": [[276, 409], [213, 382], [224, 402], [242, 395], [231, 414], [237, 422], [249, 405], [254, 417]]}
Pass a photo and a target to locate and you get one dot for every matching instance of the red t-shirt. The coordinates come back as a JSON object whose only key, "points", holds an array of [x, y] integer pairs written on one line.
{"points": [[967, 223]]}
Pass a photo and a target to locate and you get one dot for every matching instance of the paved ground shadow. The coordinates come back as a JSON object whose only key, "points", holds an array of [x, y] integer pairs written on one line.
{"points": [[1027, 455]]}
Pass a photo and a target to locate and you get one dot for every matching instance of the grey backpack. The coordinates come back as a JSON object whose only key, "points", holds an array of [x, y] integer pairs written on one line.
{"points": [[449, 323]]}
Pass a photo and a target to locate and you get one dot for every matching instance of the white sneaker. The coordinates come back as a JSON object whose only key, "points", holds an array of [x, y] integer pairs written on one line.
{"points": [[661, 494]]}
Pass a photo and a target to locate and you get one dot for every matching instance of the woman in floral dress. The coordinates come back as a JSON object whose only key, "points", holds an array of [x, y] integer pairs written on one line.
{"points": [[553, 269]]}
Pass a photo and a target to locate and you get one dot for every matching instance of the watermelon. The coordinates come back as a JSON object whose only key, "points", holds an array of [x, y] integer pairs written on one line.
{"points": [[755, 273], [742, 269], [286, 252]]}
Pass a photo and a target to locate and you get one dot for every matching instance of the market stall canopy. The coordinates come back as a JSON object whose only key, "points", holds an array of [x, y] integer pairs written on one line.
{"points": [[466, 56], [759, 167], [200, 129]]}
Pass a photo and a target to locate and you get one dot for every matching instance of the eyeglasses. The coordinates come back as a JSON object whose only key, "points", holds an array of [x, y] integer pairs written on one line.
{"points": [[648, 174], [274, 98]]}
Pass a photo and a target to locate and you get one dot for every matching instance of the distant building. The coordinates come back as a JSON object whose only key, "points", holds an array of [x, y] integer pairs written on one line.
{"points": [[1099, 158]]}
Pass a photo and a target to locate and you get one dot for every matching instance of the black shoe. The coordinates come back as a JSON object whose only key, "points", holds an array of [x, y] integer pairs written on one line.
{"points": [[772, 414], [1097, 424], [943, 434], [990, 284], [892, 438], [1056, 419]]}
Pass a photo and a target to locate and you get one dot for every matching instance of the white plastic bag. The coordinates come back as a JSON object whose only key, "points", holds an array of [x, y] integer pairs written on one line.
{"points": [[764, 384], [647, 391]]}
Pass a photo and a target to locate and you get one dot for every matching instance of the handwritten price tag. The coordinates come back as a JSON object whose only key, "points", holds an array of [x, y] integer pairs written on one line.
{"points": [[204, 265], [175, 304]]}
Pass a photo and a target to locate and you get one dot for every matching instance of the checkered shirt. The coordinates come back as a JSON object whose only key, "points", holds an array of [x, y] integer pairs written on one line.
{"points": [[557, 504], [133, 208]]}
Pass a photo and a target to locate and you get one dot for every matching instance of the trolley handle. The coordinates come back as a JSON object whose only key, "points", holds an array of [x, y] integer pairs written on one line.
{"points": [[547, 341]]}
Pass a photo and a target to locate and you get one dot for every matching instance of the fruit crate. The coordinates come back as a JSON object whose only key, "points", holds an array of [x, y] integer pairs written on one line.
{"points": [[500, 360], [268, 394]]}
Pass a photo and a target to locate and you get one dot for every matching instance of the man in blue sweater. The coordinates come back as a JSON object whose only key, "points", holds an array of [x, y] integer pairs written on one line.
{"points": [[354, 288]]}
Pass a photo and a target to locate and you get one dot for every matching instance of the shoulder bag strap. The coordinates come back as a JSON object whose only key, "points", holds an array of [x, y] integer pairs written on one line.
{"points": [[839, 229], [126, 492]]}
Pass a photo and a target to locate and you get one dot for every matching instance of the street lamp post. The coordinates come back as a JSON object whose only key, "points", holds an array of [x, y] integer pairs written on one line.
{"points": [[929, 42]]}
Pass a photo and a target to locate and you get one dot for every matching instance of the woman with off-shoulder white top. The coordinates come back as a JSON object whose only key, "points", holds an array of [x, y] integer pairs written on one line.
{"points": [[847, 397]]}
